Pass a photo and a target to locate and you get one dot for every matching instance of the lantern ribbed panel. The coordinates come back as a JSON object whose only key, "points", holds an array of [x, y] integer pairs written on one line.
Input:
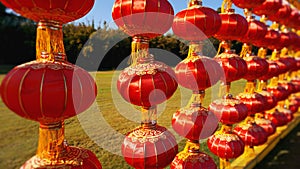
{"points": [[251, 134], [233, 66], [282, 14], [256, 31], [198, 74], [229, 110], [62, 11], [194, 123], [246, 4], [196, 23], [233, 27], [48, 91], [148, 18], [226, 145], [149, 148], [269, 7], [257, 67]]}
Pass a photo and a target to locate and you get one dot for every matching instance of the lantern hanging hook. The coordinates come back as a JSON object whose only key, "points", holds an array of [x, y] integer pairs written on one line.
{"points": [[226, 5], [192, 3]]}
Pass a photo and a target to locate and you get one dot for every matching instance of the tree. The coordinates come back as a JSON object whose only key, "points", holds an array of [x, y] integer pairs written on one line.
{"points": [[75, 36], [2, 9], [17, 38]]}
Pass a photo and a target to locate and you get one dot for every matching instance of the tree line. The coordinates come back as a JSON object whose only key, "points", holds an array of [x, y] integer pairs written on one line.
{"points": [[89, 46]]}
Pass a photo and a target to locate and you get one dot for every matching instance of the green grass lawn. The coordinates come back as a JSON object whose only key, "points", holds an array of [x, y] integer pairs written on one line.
{"points": [[92, 129]]}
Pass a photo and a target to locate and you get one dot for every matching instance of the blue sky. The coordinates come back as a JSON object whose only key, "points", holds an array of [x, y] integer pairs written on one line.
{"points": [[102, 9]]}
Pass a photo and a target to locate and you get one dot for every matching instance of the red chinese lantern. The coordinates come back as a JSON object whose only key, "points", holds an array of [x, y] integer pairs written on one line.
{"points": [[272, 71], [269, 7], [267, 125], [256, 30], [194, 122], [255, 102], [277, 117], [196, 22], [285, 41], [148, 18], [251, 133], [293, 20], [297, 63], [294, 104], [233, 66], [282, 14], [283, 67], [294, 41], [271, 101], [279, 92], [248, 4], [233, 26], [296, 83], [62, 11], [78, 158], [48, 91], [290, 87], [288, 114], [226, 145], [149, 147], [147, 84], [257, 67], [191, 157], [198, 72], [270, 41], [289, 62], [229, 110]]}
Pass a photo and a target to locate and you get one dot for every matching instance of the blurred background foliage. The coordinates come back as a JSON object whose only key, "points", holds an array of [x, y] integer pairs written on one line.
{"points": [[88, 41]]}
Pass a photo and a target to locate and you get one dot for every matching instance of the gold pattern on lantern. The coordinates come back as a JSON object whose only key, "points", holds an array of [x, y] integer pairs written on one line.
{"points": [[143, 135], [47, 64], [149, 67]]}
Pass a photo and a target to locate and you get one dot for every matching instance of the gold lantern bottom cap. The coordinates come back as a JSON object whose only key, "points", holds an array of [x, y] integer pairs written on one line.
{"points": [[72, 158]]}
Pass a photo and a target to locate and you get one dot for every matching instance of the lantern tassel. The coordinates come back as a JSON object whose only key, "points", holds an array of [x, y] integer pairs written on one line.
{"points": [[246, 50], [225, 45], [139, 49], [195, 50], [262, 53], [197, 98], [250, 87], [226, 5], [262, 85], [193, 3], [224, 163], [49, 41], [275, 55]]}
